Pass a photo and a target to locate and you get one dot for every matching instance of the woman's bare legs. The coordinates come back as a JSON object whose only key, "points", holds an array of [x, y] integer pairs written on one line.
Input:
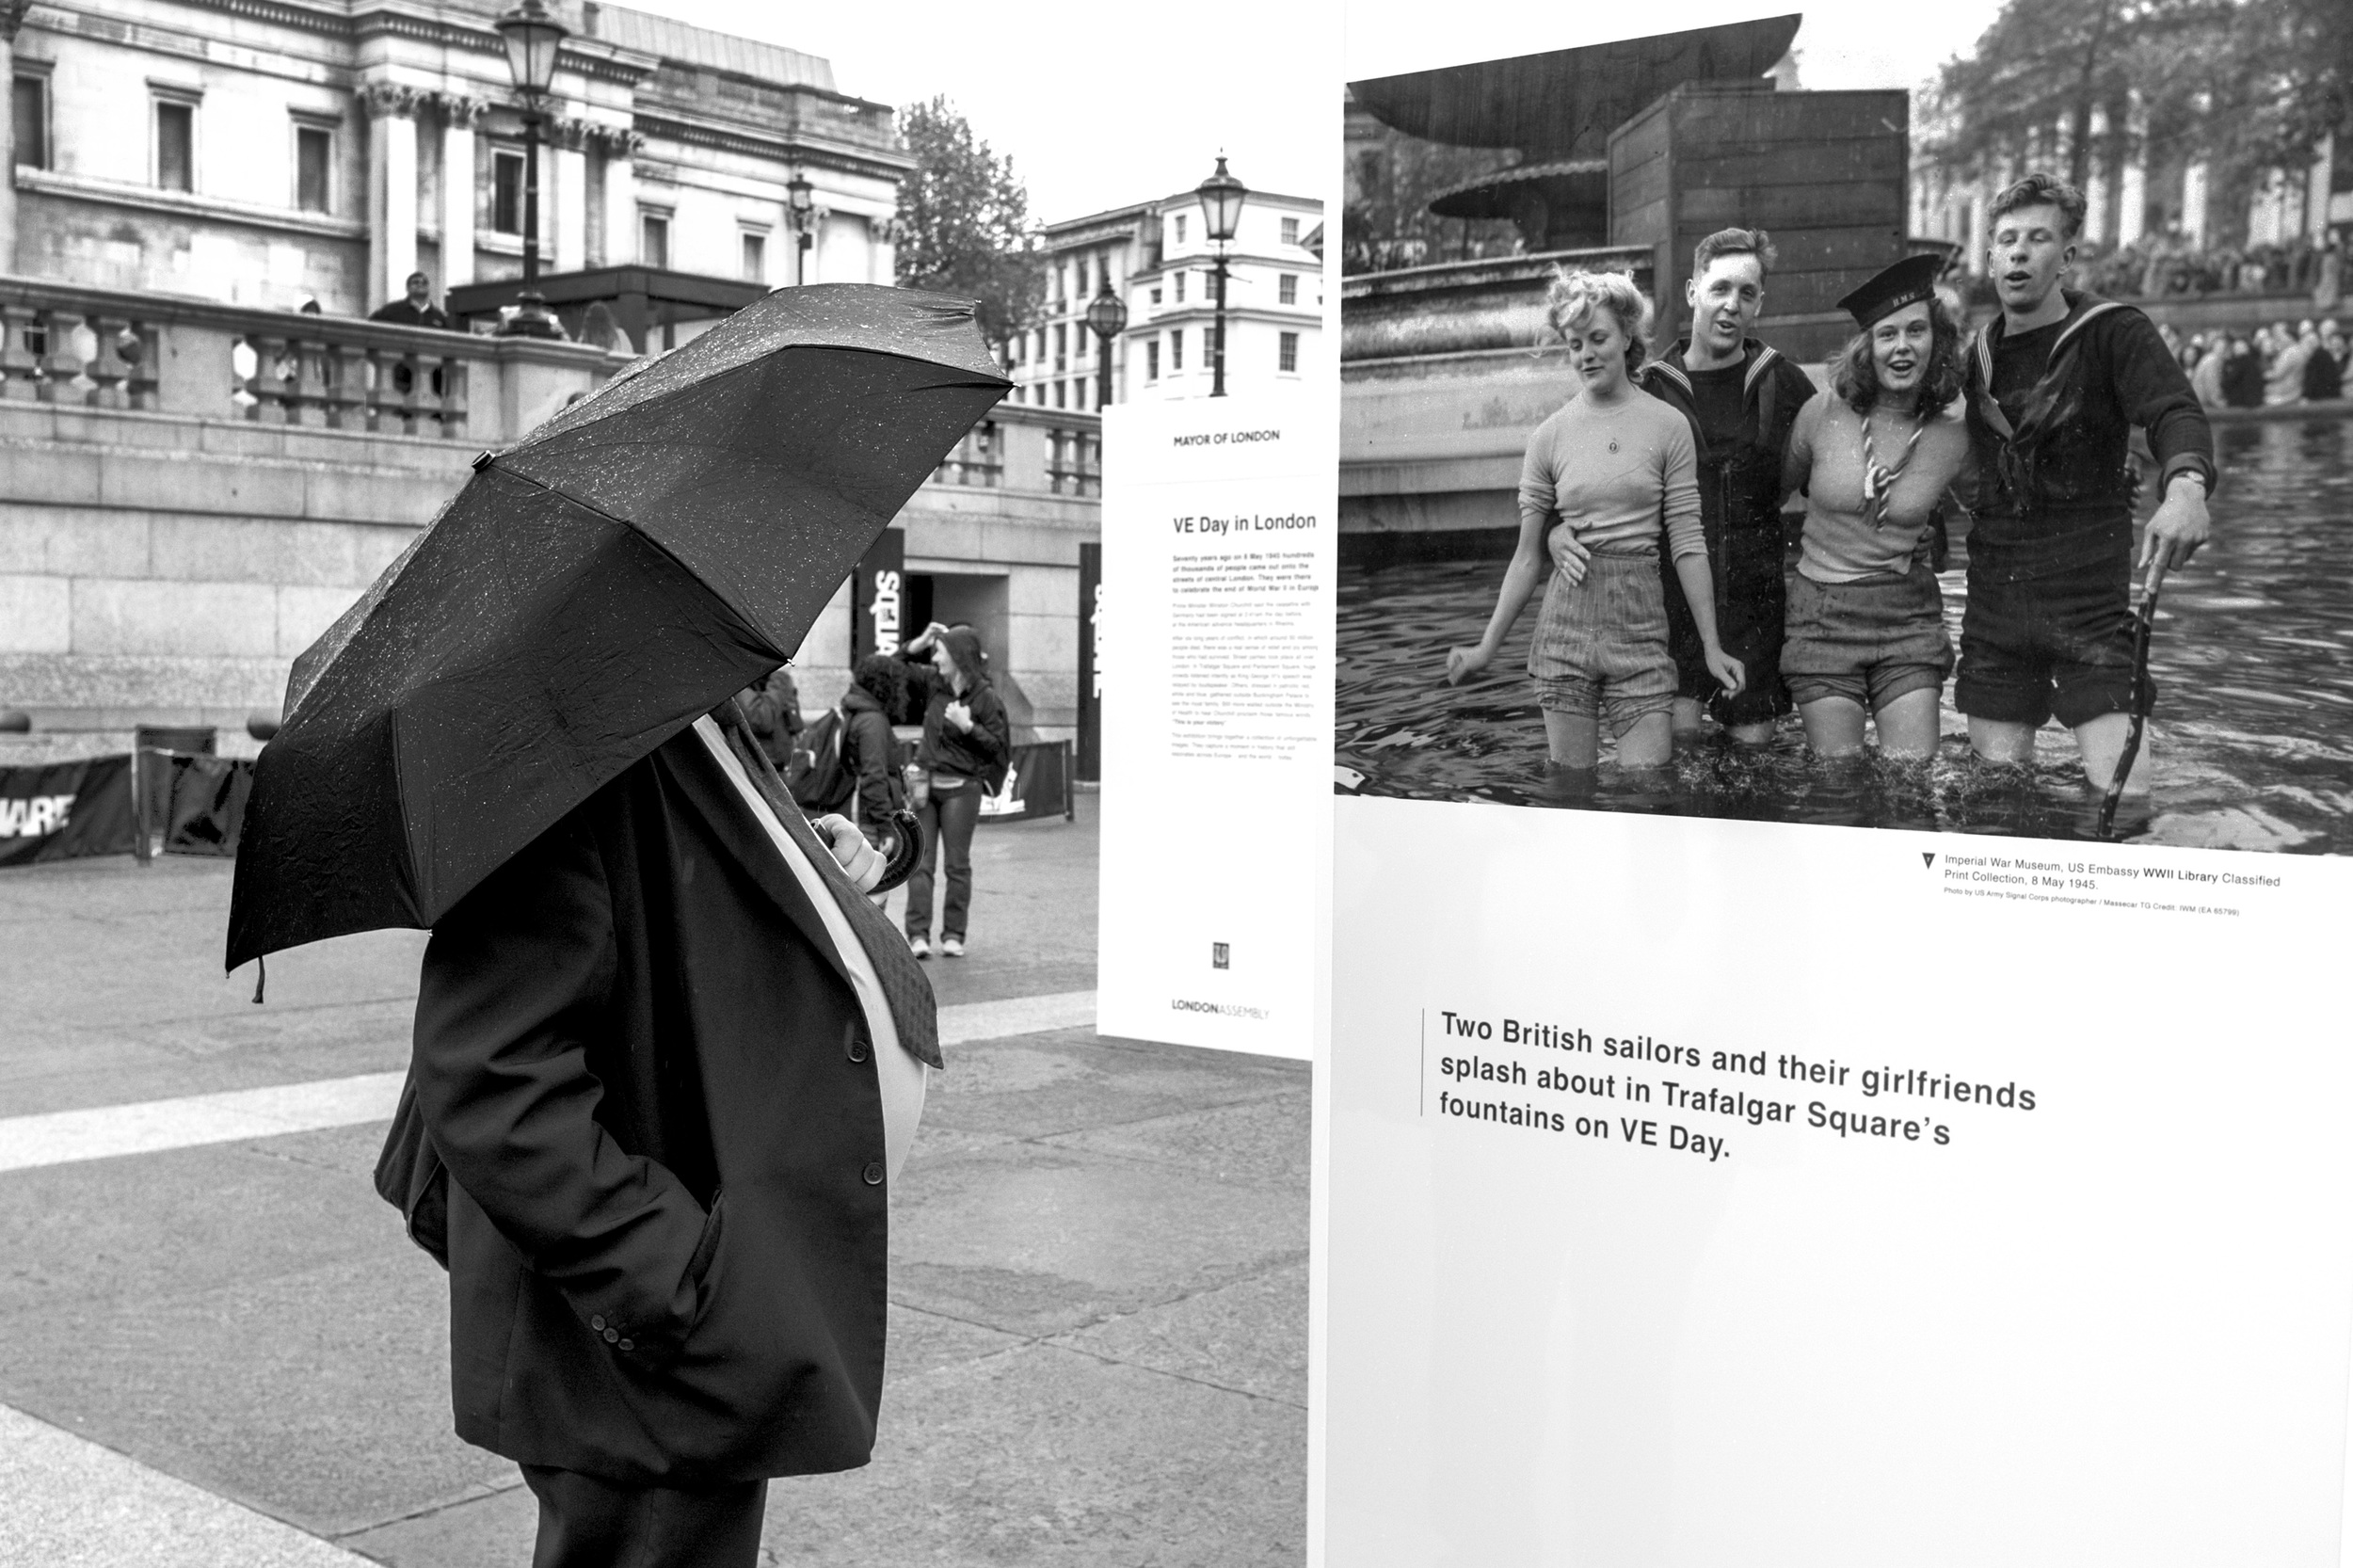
{"points": [[1908, 724], [1573, 740]]}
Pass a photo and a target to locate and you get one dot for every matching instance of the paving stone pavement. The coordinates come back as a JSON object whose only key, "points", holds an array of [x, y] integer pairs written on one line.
{"points": [[1098, 1294]]}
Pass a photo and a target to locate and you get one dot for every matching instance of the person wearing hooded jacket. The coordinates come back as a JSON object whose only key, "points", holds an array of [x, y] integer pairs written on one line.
{"points": [[967, 741]]}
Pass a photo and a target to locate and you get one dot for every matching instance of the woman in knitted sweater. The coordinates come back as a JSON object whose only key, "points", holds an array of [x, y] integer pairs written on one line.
{"points": [[1605, 479]]}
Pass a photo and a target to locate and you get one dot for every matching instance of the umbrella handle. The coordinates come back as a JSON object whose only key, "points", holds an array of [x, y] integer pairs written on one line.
{"points": [[906, 856]]}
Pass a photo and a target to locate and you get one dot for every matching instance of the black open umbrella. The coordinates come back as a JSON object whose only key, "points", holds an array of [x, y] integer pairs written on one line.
{"points": [[594, 587]]}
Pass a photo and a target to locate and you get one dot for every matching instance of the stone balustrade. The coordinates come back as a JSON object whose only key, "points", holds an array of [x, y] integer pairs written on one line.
{"points": [[1466, 307], [71, 345]]}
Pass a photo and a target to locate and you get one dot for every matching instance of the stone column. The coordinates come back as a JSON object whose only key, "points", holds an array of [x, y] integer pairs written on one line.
{"points": [[567, 247], [2132, 218], [2096, 186], [884, 255], [2194, 203], [621, 196], [459, 117], [392, 189], [2316, 182], [1980, 198]]}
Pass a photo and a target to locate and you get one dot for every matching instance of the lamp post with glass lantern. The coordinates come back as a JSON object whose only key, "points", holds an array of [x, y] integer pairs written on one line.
{"points": [[532, 39], [800, 201], [1221, 215], [1106, 317]]}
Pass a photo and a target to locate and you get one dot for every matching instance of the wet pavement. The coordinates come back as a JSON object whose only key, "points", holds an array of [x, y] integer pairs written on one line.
{"points": [[224, 1352]]}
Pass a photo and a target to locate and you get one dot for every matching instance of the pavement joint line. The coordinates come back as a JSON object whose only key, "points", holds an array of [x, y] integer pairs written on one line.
{"points": [[152, 1127], [68, 1502]]}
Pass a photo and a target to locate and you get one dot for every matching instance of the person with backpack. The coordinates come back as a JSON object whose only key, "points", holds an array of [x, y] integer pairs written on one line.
{"points": [[967, 741]]}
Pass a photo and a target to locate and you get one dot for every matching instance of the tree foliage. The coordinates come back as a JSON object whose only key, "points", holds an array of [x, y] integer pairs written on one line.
{"points": [[963, 221], [2240, 83]]}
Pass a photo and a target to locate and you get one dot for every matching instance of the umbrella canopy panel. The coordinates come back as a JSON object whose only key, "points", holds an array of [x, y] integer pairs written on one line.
{"points": [[643, 555]]}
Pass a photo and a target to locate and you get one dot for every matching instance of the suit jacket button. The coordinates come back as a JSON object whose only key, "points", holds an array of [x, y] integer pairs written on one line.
{"points": [[858, 1050], [596, 1324], [874, 1173], [612, 1335], [629, 1344]]}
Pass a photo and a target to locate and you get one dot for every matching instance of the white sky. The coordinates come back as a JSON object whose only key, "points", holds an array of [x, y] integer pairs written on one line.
{"points": [[1104, 104]]}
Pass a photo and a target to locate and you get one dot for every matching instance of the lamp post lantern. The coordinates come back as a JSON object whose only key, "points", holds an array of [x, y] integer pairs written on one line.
{"points": [[1107, 318], [1221, 215], [534, 37], [801, 198]]}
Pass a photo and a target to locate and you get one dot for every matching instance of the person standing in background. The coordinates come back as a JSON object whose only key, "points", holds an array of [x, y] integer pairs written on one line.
{"points": [[968, 740], [416, 310], [773, 704]]}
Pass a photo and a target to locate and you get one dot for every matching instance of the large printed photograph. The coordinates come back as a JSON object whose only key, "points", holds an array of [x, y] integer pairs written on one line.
{"points": [[1956, 454]]}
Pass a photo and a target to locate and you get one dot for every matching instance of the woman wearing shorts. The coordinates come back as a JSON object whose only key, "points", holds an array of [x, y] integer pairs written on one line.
{"points": [[1617, 468], [1865, 633]]}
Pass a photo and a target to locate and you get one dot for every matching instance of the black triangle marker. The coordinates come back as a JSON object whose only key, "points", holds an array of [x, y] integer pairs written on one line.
{"points": [[1927, 858]]}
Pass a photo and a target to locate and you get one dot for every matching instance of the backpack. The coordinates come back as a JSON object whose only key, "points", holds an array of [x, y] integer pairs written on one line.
{"points": [[818, 780]]}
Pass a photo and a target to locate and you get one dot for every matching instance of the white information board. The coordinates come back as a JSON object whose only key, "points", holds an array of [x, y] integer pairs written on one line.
{"points": [[1705, 1192], [1218, 576]]}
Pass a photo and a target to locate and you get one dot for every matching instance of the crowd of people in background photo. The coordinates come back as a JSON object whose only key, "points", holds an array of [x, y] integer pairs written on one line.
{"points": [[2276, 365]]}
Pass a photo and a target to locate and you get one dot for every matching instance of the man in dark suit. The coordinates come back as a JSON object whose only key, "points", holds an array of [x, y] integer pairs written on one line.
{"points": [[416, 310], [667, 1054]]}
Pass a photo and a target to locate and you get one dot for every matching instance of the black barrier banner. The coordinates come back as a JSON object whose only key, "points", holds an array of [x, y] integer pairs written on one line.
{"points": [[878, 597], [60, 811], [1089, 759], [1037, 784], [204, 812]]}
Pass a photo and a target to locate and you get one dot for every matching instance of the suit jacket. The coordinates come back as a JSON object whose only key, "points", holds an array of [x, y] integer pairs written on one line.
{"points": [[650, 1081]]}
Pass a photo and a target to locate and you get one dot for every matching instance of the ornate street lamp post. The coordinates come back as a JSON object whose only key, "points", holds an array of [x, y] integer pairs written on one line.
{"points": [[1106, 318], [532, 39], [1221, 215], [801, 198]]}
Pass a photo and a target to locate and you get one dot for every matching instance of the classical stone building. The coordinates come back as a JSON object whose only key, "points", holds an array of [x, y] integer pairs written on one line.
{"points": [[202, 473], [269, 151], [1159, 262]]}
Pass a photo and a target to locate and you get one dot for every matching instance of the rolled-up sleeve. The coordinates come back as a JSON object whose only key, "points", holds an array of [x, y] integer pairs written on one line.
{"points": [[1537, 494], [2156, 395], [515, 982]]}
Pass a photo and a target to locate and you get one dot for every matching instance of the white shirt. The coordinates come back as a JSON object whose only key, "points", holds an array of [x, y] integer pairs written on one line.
{"points": [[902, 1076]]}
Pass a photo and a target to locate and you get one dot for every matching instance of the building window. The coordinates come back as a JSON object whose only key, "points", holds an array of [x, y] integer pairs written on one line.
{"points": [[1180, 228], [314, 165], [1078, 338], [1080, 291], [1058, 395], [1286, 354], [1290, 231], [1156, 293], [755, 256], [1286, 288], [1179, 281], [1079, 392], [1152, 361], [506, 193], [30, 122], [175, 145], [1176, 350], [1061, 346], [653, 238]]}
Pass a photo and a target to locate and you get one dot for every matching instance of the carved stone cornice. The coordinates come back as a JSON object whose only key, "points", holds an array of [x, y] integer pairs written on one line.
{"points": [[568, 135], [12, 18], [615, 141], [459, 110], [390, 99]]}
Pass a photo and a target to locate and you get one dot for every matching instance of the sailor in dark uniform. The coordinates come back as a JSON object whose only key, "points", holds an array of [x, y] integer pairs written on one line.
{"points": [[2053, 391], [1741, 398]]}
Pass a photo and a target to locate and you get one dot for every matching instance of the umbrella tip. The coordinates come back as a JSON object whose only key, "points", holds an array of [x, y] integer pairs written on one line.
{"points": [[483, 459]]}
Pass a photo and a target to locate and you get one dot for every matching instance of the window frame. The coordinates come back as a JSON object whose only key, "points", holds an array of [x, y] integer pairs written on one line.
{"points": [[299, 125], [649, 218], [1286, 354], [1177, 351], [1152, 360], [1289, 230], [499, 157], [161, 97], [1286, 288], [747, 236], [35, 74]]}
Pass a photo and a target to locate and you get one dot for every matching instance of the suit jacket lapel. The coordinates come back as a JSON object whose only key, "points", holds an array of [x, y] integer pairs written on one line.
{"points": [[707, 791]]}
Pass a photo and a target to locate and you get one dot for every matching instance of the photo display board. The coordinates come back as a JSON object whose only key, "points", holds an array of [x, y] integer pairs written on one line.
{"points": [[1216, 719], [1765, 1153]]}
